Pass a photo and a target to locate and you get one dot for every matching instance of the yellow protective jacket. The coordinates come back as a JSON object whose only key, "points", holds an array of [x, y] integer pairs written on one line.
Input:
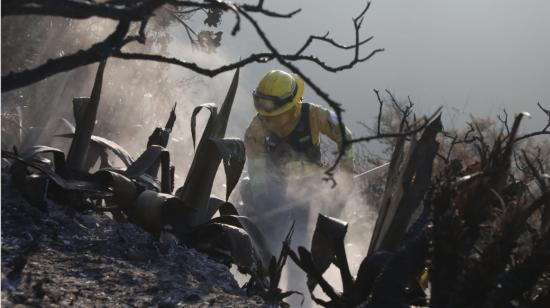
{"points": [[258, 143]]}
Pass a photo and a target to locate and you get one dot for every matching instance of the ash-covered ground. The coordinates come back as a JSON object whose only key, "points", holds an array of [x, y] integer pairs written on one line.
{"points": [[66, 258]]}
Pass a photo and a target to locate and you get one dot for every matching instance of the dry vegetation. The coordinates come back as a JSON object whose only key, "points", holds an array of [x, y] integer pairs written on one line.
{"points": [[464, 217], [463, 222]]}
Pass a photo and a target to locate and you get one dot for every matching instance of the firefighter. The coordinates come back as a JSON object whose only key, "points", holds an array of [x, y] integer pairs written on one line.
{"points": [[284, 154], [283, 138]]}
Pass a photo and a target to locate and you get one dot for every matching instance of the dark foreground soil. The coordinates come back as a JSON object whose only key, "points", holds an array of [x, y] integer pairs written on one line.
{"points": [[64, 258]]}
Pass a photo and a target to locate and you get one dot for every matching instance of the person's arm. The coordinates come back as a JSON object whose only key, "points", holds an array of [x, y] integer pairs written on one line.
{"points": [[256, 157], [326, 122]]}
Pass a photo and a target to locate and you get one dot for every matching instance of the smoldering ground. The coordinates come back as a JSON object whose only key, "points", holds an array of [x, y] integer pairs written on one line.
{"points": [[136, 98]]}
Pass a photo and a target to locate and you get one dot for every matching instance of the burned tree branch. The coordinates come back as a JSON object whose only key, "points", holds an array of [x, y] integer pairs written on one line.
{"points": [[405, 111], [128, 11], [393, 135], [260, 9], [14, 80], [325, 38], [123, 10], [119, 10], [96, 53]]}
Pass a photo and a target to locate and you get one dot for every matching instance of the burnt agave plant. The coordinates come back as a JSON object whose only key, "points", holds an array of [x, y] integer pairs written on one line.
{"points": [[387, 275], [135, 193], [480, 240]]}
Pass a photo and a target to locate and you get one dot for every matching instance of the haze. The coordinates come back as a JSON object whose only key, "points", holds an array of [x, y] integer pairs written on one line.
{"points": [[472, 57]]}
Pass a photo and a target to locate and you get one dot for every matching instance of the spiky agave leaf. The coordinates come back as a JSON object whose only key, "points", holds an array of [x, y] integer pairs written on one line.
{"points": [[87, 188], [161, 136], [400, 173], [416, 181], [408, 179], [85, 118], [259, 246], [391, 192], [399, 275], [104, 143], [171, 119], [213, 109], [227, 208], [231, 151], [233, 155], [58, 155], [327, 247], [304, 261], [147, 211], [152, 156], [223, 115], [196, 217], [227, 243], [125, 191], [198, 184]]}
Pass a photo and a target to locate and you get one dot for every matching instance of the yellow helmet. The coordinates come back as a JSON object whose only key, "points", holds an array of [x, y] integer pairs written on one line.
{"points": [[277, 92]]}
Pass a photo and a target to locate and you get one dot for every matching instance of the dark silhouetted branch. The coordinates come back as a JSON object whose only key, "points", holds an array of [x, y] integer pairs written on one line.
{"points": [[381, 104], [96, 53], [133, 10]]}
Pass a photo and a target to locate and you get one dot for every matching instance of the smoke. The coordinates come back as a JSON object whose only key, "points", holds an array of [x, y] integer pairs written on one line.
{"points": [[345, 202], [137, 96], [299, 198]]}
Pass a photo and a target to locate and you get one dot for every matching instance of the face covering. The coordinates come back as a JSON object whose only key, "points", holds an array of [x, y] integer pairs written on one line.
{"points": [[282, 125]]}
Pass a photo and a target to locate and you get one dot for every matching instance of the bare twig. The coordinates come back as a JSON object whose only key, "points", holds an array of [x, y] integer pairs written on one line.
{"points": [[187, 29], [325, 38], [394, 135], [381, 104], [504, 121], [454, 141]]}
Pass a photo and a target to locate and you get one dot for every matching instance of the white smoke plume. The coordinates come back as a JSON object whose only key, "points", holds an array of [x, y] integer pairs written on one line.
{"points": [[137, 96]]}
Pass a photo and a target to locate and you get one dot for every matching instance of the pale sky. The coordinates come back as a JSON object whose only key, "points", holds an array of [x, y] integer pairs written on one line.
{"points": [[469, 56]]}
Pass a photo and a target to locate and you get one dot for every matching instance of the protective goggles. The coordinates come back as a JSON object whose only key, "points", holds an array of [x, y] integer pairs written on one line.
{"points": [[270, 103]]}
